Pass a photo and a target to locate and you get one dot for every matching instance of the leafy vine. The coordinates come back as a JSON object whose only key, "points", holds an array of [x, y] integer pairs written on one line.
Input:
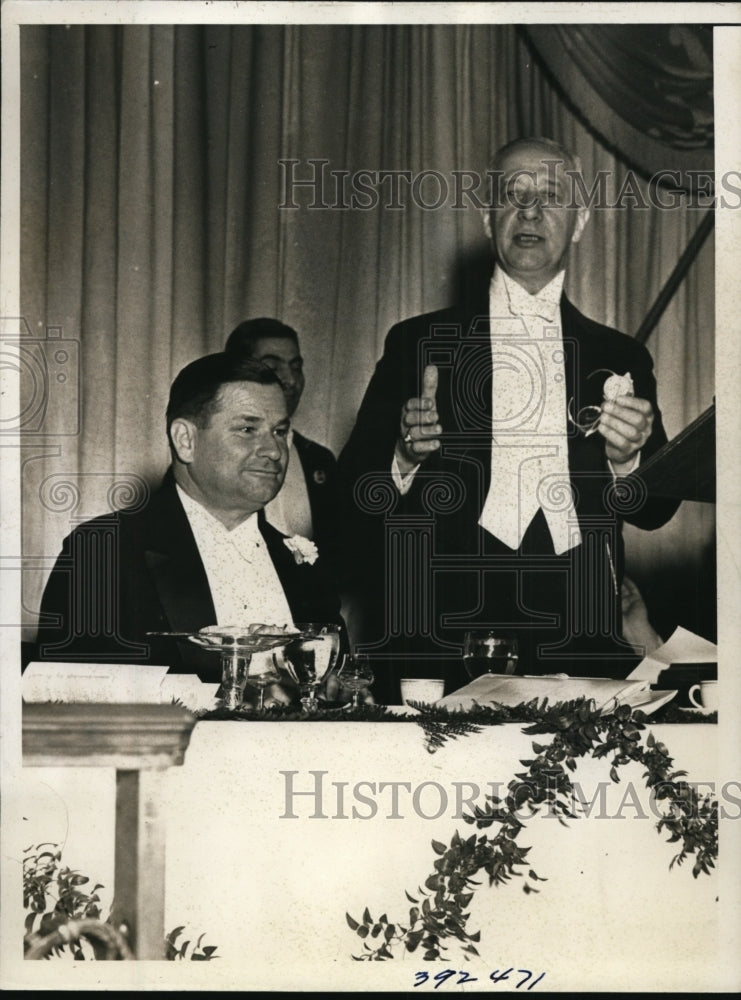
{"points": [[62, 915], [579, 730]]}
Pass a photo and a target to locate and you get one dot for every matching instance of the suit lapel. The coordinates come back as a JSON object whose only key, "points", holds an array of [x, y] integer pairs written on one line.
{"points": [[174, 563], [288, 570]]}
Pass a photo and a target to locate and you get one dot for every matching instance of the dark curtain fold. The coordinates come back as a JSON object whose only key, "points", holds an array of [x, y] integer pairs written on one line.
{"points": [[154, 220], [646, 89]]}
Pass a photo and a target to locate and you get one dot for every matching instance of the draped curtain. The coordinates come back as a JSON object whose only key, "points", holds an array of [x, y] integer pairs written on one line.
{"points": [[156, 215], [647, 89]]}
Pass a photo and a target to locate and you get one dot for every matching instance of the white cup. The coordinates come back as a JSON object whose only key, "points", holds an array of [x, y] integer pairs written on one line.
{"points": [[424, 689], [708, 695]]}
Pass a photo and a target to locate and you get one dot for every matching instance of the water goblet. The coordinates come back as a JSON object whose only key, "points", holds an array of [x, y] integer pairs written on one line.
{"points": [[263, 670], [489, 652], [311, 657]]}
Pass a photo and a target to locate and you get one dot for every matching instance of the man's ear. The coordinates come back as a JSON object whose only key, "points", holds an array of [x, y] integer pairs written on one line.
{"points": [[183, 434], [485, 215], [582, 218]]}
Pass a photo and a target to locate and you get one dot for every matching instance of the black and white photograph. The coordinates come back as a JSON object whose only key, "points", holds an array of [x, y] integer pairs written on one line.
{"points": [[369, 534]]}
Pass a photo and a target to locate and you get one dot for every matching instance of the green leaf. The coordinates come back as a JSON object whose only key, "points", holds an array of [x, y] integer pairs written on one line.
{"points": [[438, 848], [410, 898], [367, 918], [353, 924]]}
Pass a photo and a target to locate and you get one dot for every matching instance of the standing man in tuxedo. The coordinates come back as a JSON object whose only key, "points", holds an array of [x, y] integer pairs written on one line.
{"points": [[474, 454], [307, 504], [199, 551]]}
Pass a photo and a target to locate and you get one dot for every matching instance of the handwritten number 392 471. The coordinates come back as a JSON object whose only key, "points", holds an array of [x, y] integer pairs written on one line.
{"points": [[496, 977]]}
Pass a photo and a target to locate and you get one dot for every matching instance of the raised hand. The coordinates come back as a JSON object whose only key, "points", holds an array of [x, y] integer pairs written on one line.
{"points": [[419, 430]]}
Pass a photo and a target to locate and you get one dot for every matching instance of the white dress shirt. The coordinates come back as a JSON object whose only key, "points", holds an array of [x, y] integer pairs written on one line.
{"points": [[245, 586], [529, 458], [529, 433]]}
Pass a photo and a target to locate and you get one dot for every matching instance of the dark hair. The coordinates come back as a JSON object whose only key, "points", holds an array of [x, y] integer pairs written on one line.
{"points": [[242, 339], [194, 393]]}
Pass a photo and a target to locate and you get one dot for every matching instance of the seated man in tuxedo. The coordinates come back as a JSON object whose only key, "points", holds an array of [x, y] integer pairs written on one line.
{"points": [[199, 551], [307, 503], [487, 476]]}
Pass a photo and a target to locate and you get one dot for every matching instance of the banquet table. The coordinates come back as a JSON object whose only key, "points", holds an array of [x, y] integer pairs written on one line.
{"points": [[276, 830]]}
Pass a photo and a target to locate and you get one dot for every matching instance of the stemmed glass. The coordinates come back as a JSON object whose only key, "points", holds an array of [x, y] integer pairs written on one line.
{"points": [[310, 657], [357, 674], [236, 644], [262, 671], [489, 653]]}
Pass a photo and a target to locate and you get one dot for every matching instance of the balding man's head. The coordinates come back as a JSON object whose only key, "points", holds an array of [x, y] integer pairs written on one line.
{"points": [[534, 217]]}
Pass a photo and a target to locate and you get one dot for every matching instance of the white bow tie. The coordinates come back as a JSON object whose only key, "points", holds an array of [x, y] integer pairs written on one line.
{"points": [[543, 305]]}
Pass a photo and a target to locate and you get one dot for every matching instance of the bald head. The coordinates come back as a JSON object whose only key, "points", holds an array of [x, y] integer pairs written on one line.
{"points": [[552, 150], [534, 218]]}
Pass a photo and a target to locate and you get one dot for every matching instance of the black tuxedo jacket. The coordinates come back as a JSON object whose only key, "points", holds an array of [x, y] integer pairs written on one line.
{"points": [[124, 574], [450, 488]]}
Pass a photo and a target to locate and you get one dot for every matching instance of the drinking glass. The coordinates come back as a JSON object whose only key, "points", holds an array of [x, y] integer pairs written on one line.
{"points": [[356, 674], [236, 644], [489, 653], [263, 670], [310, 658]]}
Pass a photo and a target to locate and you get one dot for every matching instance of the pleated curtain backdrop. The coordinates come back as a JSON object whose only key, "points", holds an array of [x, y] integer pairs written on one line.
{"points": [[154, 165]]}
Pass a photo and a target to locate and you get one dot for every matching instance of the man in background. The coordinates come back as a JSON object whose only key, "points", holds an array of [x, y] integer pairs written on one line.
{"points": [[307, 504]]}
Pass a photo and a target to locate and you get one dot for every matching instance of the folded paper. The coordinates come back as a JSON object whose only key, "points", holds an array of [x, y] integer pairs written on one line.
{"points": [[122, 683], [503, 689], [681, 647]]}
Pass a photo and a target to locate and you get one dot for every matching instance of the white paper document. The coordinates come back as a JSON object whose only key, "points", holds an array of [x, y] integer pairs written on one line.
{"points": [[122, 683], [681, 647], [505, 689]]}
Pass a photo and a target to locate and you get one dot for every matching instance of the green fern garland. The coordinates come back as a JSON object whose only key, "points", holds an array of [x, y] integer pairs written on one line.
{"points": [[440, 913]]}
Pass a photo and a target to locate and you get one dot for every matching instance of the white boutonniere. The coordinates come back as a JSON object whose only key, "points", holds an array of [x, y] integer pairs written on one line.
{"points": [[618, 385], [303, 549]]}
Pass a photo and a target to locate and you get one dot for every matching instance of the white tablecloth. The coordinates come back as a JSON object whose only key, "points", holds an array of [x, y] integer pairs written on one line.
{"points": [[272, 891]]}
